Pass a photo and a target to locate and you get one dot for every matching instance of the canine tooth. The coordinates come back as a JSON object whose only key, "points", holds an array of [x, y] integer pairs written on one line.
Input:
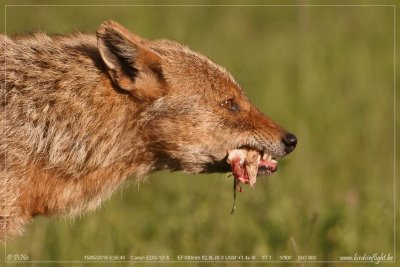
{"points": [[265, 156]]}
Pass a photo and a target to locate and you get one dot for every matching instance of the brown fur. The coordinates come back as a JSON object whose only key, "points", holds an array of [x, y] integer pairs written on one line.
{"points": [[81, 113]]}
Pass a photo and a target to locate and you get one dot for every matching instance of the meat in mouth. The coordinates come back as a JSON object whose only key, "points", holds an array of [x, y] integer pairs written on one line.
{"points": [[247, 164]]}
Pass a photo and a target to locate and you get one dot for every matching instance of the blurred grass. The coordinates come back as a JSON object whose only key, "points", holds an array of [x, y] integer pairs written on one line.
{"points": [[324, 73]]}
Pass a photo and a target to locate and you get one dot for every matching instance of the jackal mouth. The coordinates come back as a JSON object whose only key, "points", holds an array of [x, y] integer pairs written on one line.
{"points": [[248, 162]]}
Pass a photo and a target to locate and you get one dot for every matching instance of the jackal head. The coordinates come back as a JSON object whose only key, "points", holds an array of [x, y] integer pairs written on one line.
{"points": [[194, 113]]}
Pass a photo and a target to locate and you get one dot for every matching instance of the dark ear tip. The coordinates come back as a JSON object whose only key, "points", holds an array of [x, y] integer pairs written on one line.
{"points": [[107, 26]]}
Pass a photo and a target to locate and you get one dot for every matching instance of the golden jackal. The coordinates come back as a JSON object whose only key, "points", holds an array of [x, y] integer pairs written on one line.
{"points": [[81, 113]]}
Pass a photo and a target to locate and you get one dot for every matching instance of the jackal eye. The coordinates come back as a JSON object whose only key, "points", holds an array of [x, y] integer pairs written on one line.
{"points": [[230, 105]]}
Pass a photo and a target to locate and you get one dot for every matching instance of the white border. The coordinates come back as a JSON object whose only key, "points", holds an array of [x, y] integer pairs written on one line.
{"points": [[256, 5]]}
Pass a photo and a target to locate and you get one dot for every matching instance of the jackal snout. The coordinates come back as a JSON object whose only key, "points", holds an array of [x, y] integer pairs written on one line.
{"points": [[268, 136]]}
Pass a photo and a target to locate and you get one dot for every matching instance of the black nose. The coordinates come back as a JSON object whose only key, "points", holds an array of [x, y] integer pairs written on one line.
{"points": [[290, 142]]}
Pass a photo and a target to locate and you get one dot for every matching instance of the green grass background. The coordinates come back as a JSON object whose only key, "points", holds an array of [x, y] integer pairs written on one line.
{"points": [[324, 73]]}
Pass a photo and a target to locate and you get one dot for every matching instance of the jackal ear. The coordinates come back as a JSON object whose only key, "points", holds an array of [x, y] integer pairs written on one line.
{"points": [[131, 65]]}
